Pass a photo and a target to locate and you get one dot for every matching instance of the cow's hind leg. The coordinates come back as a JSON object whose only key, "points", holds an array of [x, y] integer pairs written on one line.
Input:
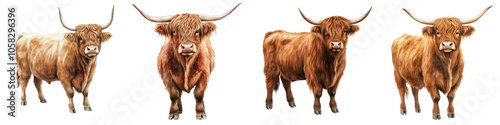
{"points": [[414, 91], [272, 83], [38, 85], [289, 95], [199, 93], [23, 77], [401, 84], [179, 103]]}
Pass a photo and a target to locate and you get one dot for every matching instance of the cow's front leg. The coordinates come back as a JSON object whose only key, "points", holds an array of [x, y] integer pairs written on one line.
{"points": [[333, 104], [175, 95], [332, 91], [70, 93], [86, 104], [317, 104], [435, 98], [451, 96], [199, 92]]}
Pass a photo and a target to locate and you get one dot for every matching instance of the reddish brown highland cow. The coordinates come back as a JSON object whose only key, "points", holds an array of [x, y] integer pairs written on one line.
{"points": [[433, 61], [317, 57], [186, 59], [67, 57]]}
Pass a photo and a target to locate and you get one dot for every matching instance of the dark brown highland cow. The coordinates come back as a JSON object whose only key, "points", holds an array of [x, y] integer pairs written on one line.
{"points": [[186, 59], [433, 61], [68, 57], [317, 57]]}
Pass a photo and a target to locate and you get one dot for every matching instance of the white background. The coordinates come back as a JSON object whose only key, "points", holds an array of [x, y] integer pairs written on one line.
{"points": [[126, 88]]}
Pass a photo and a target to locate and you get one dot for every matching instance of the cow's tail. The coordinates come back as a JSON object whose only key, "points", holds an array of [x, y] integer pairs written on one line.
{"points": [[277, 85], [17, 73]]}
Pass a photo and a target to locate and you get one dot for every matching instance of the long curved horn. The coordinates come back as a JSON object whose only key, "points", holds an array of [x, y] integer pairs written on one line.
{"points": [[357, 20], [217, 17], [62, 21], [311, 21], [471, 20], [154, 18], [110, 20], [423, 21]]}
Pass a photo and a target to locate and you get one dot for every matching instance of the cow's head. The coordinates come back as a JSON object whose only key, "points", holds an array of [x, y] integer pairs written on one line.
{"points": [[447, 32], [335, 30], [186, 31], [88, 36]]}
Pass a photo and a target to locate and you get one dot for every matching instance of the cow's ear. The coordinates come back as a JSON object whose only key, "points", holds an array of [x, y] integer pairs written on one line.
{"points": [[467, 30], [428, 31], [161, 29], [105, 36], [70, 36], [316, 29], [353, 29], [208, 28]]}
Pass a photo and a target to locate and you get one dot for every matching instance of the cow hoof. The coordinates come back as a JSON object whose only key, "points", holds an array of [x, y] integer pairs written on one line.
{"points": [[180, 111], [24, 103], [436, 117], [403, 112], [417, 110], [292, 104], [72, 111], [201, 117], [335, 110], [87, 108], [174, 117], [317, 112], [269, 107], [451, 115], [43, 101]]}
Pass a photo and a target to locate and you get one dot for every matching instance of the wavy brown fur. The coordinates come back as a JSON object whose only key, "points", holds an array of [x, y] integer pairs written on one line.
{"points": [[53, 57], [182, 73], [419, 62], [307, 56]]}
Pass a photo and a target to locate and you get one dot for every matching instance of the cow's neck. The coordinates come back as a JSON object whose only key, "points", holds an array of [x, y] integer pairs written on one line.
{"points": [[333, 58], [445, 62], [189, 66]]}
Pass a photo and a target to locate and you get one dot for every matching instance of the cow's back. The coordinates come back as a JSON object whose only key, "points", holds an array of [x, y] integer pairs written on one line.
{"points": [[39, 53], [287, 51]]}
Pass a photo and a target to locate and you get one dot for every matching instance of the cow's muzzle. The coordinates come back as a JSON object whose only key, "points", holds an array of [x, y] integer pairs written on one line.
{"points": [[187, 49], [447, 46], [336, 46], [91, 50]]}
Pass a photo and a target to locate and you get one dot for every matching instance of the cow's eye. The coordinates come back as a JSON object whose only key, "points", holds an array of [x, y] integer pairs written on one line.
{"points": [[173, 32], [99, 37], [345, 31], [197, 32], [457, 33], [437, 33], [80, 39]]}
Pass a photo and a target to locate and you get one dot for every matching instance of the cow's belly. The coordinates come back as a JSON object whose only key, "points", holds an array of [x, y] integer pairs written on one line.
{"points": [[292, 70], [44, 67], [46, 72]]}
